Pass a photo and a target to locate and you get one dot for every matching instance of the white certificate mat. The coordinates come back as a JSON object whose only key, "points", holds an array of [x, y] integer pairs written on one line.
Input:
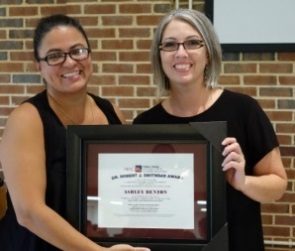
{"points": [[146, 190]]}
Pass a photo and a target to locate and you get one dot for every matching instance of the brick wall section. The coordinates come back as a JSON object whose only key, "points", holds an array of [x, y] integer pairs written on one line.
{"points": [[120, 33]]}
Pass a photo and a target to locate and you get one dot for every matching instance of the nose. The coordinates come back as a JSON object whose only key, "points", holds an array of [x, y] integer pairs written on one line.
{"points": [[69, 60], [181, 50]]}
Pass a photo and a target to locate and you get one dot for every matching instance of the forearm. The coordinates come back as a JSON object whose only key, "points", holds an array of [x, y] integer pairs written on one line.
{"points": [[49, 226], [264, 188]]}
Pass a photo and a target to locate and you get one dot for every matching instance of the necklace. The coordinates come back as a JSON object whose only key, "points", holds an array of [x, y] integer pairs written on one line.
{"points": [[190, 109], [59, 107]]}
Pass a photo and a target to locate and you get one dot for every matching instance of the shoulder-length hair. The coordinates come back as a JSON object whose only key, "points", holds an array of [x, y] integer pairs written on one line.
{"points": [[204, 26]]}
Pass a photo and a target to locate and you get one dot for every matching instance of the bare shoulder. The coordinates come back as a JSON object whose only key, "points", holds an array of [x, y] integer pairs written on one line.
{"points": [[23, 121], [25, 113]]}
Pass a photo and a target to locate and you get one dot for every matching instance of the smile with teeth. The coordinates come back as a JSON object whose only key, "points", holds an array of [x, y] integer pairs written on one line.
{"points": [[71, 74], [182, 66]]}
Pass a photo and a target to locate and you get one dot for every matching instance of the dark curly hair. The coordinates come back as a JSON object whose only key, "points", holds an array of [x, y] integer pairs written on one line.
{"points": [[46, 24]]}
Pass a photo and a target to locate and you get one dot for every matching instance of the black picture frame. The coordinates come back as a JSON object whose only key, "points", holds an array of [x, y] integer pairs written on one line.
{"points": [[255, 45], [80, 138]]}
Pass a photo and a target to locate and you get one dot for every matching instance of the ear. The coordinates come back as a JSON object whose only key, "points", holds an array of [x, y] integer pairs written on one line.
{"points": [[37, 66]]}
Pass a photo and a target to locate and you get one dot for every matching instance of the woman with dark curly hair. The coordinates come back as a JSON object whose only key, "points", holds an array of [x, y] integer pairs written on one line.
{"points": [[33, 147]]}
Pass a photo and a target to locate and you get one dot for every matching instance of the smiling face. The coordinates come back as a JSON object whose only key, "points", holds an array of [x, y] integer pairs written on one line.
{"points": [[71, 75], [183, 67]]}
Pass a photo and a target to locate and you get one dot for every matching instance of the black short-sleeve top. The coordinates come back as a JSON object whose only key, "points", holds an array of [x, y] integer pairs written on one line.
{"points": [[248, 123]]}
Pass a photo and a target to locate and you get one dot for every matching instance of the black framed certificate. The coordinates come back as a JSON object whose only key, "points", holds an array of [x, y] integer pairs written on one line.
{"points": [[159, 186]]}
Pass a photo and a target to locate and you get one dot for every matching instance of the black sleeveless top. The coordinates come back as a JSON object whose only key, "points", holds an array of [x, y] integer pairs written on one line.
{"points": [[14, 237]]}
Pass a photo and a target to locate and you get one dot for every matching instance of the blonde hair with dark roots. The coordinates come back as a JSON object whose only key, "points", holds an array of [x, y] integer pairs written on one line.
{"points": [[203, 25]]}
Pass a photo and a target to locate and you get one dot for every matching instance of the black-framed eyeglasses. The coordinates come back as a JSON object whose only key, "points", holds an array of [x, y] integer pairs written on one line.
{"points": [[59, 57], [191, 44]]}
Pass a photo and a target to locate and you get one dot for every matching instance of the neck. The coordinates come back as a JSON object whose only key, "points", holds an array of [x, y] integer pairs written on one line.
{"points": [[189, 103], [77, 111]]}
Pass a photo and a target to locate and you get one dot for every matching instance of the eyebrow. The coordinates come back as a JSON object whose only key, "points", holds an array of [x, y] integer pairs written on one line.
{"points": [[60, 50], [186, 38]]}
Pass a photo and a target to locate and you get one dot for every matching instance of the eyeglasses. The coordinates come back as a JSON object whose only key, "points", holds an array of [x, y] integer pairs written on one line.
{"points": [[59, 57], [191, 44]]}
